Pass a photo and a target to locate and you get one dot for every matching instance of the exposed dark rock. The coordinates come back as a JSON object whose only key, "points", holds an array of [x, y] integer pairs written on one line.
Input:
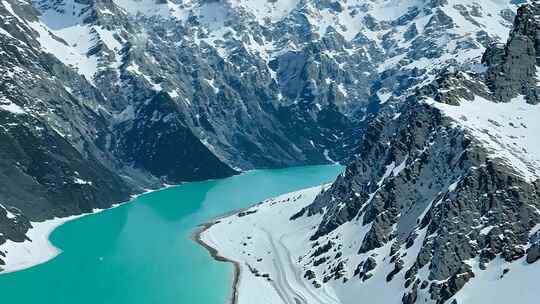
{"points": [[533, 253], [512, 69], [398, 265], [169, 149]]}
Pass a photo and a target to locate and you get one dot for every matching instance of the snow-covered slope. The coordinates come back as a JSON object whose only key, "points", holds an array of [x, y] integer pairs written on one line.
{"points": [[279, 264], [266, 245]]}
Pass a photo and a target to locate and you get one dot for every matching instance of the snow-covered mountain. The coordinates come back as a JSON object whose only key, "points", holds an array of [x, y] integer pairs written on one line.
{"points": [[102, 99], [441, 204]]}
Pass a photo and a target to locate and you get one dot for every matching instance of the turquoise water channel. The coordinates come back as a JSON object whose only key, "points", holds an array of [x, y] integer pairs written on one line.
{"points": [[142, 252]]}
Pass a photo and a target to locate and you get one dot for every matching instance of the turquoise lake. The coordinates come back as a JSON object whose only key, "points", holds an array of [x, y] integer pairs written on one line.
{"points": [[142, 252]]}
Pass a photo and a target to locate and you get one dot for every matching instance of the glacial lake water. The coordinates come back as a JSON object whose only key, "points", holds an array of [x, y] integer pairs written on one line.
{"points": [[142, 252]]}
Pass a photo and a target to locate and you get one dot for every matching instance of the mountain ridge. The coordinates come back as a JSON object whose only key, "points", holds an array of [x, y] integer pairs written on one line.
{"points": [[102, 99]]}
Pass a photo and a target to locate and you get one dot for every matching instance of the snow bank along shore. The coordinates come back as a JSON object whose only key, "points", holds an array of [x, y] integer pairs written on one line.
{"points": [[261, 241], [38, 249]]}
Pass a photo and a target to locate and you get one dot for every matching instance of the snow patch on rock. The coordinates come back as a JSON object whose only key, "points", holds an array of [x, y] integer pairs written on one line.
{"points": [[509, 131]]}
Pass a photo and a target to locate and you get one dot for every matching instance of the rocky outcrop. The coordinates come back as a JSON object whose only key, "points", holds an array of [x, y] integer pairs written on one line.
{"points": [[512, 68], [428, 193], [533, 254], [158, 142], [14, 224]]}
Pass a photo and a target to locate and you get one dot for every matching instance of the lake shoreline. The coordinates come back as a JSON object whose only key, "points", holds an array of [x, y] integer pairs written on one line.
{"points": [[214, 253], [196, 236], [39, 249]]}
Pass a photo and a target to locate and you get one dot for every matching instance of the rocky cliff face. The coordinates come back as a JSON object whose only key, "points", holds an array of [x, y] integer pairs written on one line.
{"points": [[100, 99], [513, 67], [445, 187]]}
